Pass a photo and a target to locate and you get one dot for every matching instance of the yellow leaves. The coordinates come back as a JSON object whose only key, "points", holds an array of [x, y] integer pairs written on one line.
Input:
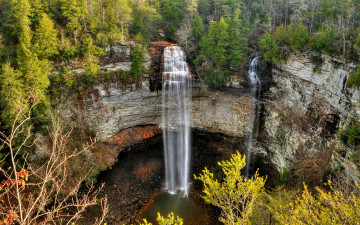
{"points": [[169, 220], [331, 207], [235, 195]]}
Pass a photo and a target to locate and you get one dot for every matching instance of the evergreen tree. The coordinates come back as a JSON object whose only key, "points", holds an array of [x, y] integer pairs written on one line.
{"points": [[145, 21], [18, 22], [221, 42], [46, 41], [91, 54], [13, 98], [173, 14], [269, 48], [74, 11], [299, 37], [238, 31], [38, 7], [137, 60], [197, 27]]}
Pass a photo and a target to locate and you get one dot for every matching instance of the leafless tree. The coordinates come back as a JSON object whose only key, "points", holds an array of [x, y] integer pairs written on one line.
{"points": [[34, 194]]}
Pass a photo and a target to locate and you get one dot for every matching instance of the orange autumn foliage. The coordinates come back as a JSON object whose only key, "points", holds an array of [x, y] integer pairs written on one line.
{"points": [[22, 178]]}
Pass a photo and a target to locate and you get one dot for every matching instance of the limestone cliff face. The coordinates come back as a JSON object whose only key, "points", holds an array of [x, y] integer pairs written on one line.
{"points": [[304, 109], [304, 105], [109, 105]]}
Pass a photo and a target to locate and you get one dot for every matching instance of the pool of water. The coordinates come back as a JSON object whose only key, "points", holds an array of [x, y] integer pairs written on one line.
{"points": [[185, 207]]}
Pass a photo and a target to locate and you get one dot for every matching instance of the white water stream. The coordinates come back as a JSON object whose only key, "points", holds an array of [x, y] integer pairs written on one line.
{"points": [[176, 95], [255, 85]]}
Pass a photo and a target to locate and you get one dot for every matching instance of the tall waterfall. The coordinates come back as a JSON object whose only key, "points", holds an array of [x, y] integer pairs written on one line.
{"points": [[176, 95], [255, 85]]}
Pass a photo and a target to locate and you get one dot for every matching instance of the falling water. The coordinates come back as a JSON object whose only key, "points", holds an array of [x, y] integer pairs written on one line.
{"points": [[255, 85], [176, 95]]}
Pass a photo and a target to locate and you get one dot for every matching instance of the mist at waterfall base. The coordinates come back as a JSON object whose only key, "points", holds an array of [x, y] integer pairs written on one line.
{"points": [[176, 95], [255, 89]]}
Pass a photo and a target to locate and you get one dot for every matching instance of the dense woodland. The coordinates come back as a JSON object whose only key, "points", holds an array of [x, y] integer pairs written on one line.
{"points": [[39, 37]]}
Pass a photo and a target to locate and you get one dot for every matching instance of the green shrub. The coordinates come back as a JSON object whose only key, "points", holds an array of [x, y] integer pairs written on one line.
{"points": [[269, 49], [216, 78], [92, 176], [351, 136], [284, 176], [354, 78], [322, 41], [299, 38], [67, 76]]}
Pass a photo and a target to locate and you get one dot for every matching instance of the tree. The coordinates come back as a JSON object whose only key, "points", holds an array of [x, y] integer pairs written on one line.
{"points": [[13, 98], [169, 220], [269, 49], [238, 31], [137, 58], [34, 194], [299, 37], [221, 41], [145, 21], [35, 77], [18, 22], [38, 7], [74, 11], [45, 40], [173, 14], [91, 54], [331, 207], [235, 195], [322, 41], [197, 27]]}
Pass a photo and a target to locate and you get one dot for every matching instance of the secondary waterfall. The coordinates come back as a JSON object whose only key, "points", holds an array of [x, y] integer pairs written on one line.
{"points": [[176, 95], [255, 85]]}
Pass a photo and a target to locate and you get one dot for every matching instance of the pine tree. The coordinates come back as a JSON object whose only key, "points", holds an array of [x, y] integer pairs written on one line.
{"points": [[91, 54], [13, 98], [46, 41], [18, 22], [238, 31], [137, 60], [197, 27], [38, 7], [75, 13], [269, 48], [221, 42], [145, 21], [173, 14], [299, 37]]}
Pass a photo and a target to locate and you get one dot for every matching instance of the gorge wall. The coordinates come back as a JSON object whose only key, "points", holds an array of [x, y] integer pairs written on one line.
{"points": [[109, 106], [306, 102]]}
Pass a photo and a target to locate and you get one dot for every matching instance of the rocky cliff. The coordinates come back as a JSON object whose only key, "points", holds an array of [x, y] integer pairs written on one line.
{"points": [[109, 106], [308, 103], [304, 104]]}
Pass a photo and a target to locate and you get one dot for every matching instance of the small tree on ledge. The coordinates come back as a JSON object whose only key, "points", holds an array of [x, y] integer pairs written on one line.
{"points": [[235, 195]]}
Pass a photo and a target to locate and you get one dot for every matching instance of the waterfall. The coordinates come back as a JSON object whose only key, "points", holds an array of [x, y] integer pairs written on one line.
{"points": [[255, 86], [176, 95]]}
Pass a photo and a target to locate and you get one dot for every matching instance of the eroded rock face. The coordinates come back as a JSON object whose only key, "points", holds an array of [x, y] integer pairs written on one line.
{"points": [[108, 108], [308, 104]]}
